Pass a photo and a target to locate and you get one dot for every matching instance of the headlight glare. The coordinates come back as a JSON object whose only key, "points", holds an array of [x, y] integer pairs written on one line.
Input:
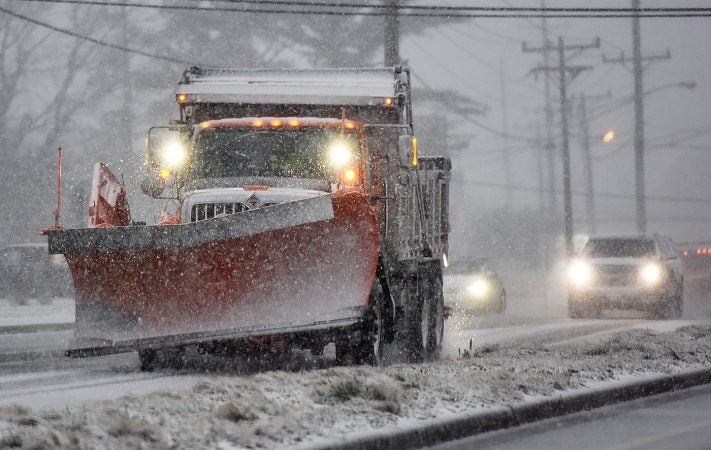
{"points": [[479, 288], [174, 154], [650, 273], [339, 154], [579, 273]]}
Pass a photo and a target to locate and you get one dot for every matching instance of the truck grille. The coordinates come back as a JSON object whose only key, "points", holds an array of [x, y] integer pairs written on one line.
{"points": [[204, 211], [617, 275]]}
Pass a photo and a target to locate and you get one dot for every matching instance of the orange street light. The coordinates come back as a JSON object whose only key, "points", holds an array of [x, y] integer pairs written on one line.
{"points": [[608, 137]]}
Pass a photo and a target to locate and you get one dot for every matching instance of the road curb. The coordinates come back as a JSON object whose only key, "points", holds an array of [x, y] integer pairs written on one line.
{"points": [[443, 430]]}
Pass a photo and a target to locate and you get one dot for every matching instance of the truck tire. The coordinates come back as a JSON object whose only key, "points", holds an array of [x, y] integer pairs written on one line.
{"points": [[416, 326], [148, 358], [170, 357], [366, 347], [425, 324], [436, 322]]}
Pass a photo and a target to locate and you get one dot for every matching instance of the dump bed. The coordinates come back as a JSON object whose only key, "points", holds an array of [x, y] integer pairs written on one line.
{"points": [[367, 86], [428, 227]]}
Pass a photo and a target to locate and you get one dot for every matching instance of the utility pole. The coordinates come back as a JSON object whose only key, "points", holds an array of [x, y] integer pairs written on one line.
{"points": [[587, 160], [539, 166], [392, 34], [638, 72], [505, 129], [549, 145], [584, 125], [563, 71]]}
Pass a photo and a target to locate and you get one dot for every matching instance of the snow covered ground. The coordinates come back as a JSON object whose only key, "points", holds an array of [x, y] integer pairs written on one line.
{"points": [[34, 312], [283, 409]]}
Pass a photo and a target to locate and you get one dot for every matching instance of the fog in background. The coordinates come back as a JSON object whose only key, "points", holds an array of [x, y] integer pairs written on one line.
{"points": [[475, 96]]}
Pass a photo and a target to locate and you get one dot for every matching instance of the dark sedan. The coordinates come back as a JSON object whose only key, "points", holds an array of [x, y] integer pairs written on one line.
{"points": [[472, 284], [28, 271]]}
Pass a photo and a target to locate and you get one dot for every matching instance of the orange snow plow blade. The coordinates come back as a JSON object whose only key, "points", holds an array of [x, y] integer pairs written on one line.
{"points": [[296, 266]]}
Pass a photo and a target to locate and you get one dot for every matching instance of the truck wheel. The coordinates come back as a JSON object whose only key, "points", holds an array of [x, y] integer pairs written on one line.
{"points": [[426, 319], [367, 347], [417, 322], [436, 320], [149, 359], [374, 338]]}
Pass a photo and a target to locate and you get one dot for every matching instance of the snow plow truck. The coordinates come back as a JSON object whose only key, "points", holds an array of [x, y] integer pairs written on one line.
{"points": [[303, 216]]}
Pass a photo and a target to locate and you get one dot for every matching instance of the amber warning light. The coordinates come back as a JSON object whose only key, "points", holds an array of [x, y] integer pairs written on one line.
{"points": [[349, 176]]}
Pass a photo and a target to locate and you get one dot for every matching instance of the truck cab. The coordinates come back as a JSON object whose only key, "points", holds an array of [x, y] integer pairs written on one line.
{"points": [[227, 166]]}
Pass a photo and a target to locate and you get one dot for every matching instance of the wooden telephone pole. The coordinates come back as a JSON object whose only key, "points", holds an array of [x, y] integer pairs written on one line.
{"points": [[637, 61], [392, 34], [564, 74]]}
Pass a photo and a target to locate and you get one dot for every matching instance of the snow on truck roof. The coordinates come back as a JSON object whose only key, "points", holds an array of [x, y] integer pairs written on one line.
{"points": [[361, 86]]}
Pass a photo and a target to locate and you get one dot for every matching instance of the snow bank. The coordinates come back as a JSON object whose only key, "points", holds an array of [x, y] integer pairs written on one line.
{"points": [[33, 312], [282, 409]]}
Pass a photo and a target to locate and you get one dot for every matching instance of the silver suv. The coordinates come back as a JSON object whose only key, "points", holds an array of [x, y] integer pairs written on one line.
{"points": [[618, 272]]}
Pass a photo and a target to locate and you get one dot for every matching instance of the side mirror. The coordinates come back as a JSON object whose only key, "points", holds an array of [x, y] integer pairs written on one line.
{"points": [[167, 157], [167, 147], [407, 150]]}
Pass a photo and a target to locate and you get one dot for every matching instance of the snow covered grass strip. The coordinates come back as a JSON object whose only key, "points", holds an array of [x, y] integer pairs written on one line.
{"points": [[498, 386]]}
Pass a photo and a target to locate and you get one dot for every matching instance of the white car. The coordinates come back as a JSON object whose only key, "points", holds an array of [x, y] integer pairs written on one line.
{"points": [[618, 272]]}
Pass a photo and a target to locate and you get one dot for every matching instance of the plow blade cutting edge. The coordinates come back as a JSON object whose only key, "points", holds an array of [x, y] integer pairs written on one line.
{"points": [[293, 267]]}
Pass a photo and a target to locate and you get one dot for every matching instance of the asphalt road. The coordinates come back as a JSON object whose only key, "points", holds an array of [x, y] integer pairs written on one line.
{"points": [[33, 371], [678, 420]]}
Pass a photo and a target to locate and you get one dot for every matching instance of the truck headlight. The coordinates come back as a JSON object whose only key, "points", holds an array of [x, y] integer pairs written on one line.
{"points": [[579, 273], [174, 154], [339, 154], [479, 288], [650, 273]]}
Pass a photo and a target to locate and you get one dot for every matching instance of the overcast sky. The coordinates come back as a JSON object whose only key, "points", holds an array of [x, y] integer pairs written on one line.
{"points": [[468, 57]]}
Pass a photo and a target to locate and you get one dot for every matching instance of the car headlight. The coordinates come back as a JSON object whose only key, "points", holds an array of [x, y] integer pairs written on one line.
{"points": [[579, 273], [479, 288], [651, 273]]}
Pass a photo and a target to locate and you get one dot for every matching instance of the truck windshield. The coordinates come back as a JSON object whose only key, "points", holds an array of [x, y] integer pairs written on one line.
{"points": [[223, 152], [619, 248]]}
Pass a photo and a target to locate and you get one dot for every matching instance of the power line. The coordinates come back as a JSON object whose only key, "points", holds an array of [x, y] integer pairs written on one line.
{"points": [[422, 11], [96, 41], [483, 62], [609, 195], [475, 122], [509, 7], [443, 67]]}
